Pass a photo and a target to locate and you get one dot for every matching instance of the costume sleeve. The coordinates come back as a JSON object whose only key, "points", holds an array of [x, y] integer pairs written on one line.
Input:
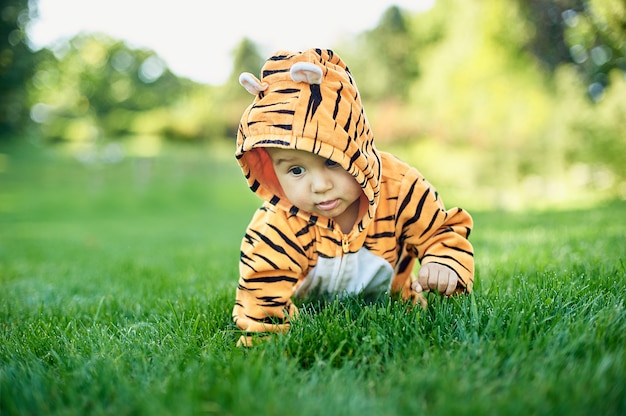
{"points": [[271, 261], [432, 233]]}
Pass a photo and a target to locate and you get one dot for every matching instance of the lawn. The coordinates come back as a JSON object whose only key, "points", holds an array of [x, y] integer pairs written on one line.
{"points": [[118, 281]]}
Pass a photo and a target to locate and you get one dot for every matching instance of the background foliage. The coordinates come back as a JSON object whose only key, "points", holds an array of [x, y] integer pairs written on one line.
{"points": [[508, 104]]}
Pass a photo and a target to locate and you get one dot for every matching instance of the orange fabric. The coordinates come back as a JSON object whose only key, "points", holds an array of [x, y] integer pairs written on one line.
{"points": [[403, 219]]}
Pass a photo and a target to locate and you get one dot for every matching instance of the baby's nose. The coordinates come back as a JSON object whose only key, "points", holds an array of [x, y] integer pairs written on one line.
{"points": [[321, 183]]}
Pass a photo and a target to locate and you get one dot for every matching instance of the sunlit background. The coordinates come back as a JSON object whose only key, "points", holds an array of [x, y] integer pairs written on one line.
{"points": [[501, 104], [196, 38]]}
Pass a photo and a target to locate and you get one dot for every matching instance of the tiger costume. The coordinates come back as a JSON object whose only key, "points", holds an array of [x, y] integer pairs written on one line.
{"points": [[309, 101]]}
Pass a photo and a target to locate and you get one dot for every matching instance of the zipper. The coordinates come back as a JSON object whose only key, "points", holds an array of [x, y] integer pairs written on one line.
{"points": [[345, 244]]}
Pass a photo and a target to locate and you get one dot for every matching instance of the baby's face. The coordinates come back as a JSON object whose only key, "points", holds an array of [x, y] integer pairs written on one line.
{"points": [[317, 185]]}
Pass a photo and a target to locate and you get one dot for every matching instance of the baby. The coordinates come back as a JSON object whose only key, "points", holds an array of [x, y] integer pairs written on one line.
{"points": [[339, 216]]}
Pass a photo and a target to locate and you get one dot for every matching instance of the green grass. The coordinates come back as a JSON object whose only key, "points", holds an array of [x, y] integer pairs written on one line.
{"points": [[118, 282]]}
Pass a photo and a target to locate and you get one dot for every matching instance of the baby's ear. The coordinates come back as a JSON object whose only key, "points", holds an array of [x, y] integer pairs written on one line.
{"points": [[306, 72], [251, 83]]}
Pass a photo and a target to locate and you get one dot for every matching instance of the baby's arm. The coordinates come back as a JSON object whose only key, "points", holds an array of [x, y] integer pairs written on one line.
{"points": [[437, 277], [270, 263], [437, 237]]}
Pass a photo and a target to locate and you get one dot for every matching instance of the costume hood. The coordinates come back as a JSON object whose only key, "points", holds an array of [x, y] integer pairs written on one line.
{"points": [[307, 101]]}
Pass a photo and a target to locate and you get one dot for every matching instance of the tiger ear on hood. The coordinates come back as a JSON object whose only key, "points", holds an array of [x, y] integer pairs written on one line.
{"points": [[306, 72], [251, 83]]}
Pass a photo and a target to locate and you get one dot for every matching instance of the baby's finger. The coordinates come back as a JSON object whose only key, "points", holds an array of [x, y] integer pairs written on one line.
{"points": [[435, 279], [422, 278], [417, 287], [452, 282], [452, 279], [443, 281]]}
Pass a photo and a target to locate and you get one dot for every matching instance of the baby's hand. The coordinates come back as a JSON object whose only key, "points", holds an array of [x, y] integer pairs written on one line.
{"points": [[432, 276]]}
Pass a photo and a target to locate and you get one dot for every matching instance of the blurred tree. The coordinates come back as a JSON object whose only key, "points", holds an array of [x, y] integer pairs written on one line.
{"points": [[246, 58], [485, 116], [590, 34], [603, 146], [391, 40], [103, 86], [480, 115], [387, 57], [232, 96], [16, 67]]}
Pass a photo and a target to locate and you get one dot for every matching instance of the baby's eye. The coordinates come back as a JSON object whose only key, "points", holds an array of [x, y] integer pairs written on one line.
{"points": [[331, 164], [296, 170]]}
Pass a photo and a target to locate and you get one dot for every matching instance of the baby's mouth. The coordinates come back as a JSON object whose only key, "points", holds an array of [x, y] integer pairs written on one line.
{"points": [[328, 205]]}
